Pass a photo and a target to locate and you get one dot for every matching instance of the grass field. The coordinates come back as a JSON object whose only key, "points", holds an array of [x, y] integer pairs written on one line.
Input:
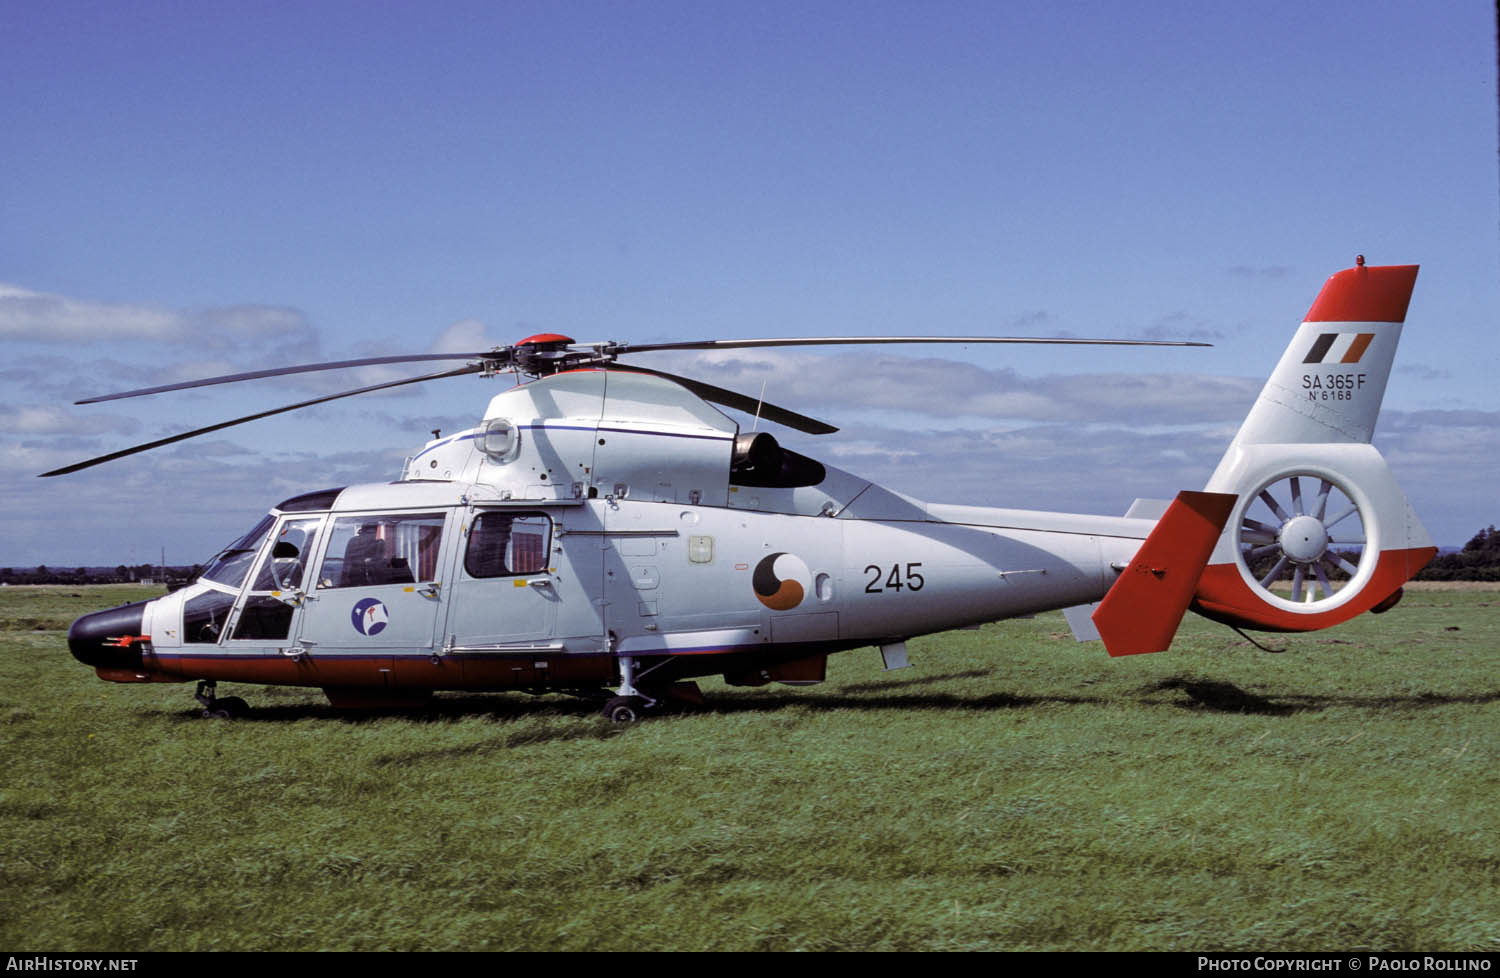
{"points": [[1012, 790]]}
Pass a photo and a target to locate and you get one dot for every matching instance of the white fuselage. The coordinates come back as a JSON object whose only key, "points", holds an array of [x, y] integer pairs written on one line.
{"points": [[601, 515]]}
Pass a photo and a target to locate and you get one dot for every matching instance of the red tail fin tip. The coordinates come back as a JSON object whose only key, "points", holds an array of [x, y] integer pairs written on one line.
{"points": [[1365, 294]]}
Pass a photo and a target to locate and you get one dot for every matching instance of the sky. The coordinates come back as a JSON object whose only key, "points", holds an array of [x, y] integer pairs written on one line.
{"points": [[192, 189]]}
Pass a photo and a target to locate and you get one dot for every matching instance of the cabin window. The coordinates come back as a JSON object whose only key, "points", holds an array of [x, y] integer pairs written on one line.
{"points": [[382, 548], [507, 544]]}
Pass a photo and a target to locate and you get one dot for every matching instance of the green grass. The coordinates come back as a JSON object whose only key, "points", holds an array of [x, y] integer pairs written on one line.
{"points": [[1012, 790]]}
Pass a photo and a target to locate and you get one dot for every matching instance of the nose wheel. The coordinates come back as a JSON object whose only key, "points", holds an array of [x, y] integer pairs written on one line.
{"points": [[219, 707]]}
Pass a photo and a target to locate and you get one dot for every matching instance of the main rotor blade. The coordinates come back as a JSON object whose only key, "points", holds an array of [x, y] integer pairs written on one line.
{"points": [[279, 371], [623, 348], [739, 402], [470, 369]]}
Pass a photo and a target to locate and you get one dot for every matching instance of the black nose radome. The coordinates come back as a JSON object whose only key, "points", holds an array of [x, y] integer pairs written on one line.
{"points": [[95, 638]]}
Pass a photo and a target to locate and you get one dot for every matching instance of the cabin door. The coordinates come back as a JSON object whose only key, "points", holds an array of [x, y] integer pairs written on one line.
{"points": [[379, 585]]}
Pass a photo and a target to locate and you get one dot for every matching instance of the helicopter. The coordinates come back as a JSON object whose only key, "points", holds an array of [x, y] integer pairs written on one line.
{"points": [[605, 530]]}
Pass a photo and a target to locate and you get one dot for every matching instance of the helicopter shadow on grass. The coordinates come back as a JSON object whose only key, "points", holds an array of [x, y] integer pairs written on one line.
{"points": [[1415, 701], [500, 708], [507, 708], [864, 698], [1196, 694], [1224, 697], [1208, 695], [1217, 696], [1205, 695], [877, 687]]}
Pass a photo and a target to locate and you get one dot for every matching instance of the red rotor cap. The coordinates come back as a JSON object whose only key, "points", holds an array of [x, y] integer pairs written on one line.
{"points": [[545, 339]]}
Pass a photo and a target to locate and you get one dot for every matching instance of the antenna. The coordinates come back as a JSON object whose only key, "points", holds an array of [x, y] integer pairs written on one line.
{"points": [[759, 401]]}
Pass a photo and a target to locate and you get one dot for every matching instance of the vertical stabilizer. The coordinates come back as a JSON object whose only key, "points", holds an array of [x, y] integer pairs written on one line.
{"points": [[1321, 532], [1331, 379]]}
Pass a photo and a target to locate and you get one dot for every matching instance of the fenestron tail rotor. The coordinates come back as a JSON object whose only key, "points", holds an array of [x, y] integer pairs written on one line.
{"points": [[548, 353], [1302, 538]]}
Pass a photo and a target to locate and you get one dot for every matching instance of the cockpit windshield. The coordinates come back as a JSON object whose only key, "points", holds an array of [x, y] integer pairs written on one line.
{"points": [[232, 563]]}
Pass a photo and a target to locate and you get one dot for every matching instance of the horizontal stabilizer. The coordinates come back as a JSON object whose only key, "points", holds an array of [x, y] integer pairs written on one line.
{"points": [[1143, 609], [1080, 619], [1147, 509]]}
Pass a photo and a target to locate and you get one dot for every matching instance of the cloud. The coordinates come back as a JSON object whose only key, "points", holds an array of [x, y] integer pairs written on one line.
{"points": [[1423, 372], [425, 423], [464, 336], [942, 388], [1055, 467], [938, 429], [52, 420], [1445, 461], [40, 317], [1028, 320], [1261, 271], [1450, 419], [43, 318], [1180, 326], [172, 346]]}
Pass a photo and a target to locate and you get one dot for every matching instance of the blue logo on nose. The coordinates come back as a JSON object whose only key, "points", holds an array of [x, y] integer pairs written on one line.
{"points": [[369, 617]]}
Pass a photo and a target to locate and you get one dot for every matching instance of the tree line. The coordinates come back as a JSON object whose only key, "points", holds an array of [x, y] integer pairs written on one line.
{"points": [[1479, 560], [119, 574]]}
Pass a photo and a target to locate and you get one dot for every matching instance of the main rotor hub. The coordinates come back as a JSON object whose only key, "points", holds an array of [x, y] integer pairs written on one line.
{"points": [[1303, 539], [544, 354], [546, 341]]}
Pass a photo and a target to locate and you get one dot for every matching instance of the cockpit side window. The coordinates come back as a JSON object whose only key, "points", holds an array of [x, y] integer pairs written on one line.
{"points": [[507, 544], [382, 548], [266, 613], [203, 617]]}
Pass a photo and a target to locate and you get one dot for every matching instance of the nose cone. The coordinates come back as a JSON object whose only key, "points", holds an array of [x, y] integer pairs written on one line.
{"points": [[94, 638]]}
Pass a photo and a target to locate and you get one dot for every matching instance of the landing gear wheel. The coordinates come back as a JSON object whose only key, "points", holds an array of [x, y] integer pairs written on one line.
{"points": [[624, 709], [215, 708], [228, 708]]}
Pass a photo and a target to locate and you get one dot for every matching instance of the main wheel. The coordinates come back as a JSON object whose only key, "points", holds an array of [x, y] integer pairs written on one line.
{"points": [[624, 709], [227, 708]]}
